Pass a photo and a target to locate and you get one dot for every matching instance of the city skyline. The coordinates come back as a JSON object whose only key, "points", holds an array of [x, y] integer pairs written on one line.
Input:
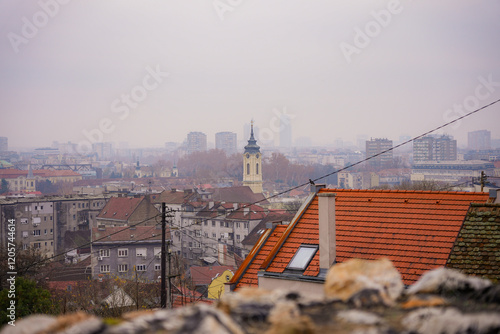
{"points": [[335, 70]]}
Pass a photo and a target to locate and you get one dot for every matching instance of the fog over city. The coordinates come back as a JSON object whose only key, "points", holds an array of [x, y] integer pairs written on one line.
{"points": [[149, 72]]}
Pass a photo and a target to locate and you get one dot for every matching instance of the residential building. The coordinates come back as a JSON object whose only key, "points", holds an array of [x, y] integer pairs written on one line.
{"points": [[359, 180], [128, 211], [416, 230], [43, 222], [127, 252], [479, 140], [252, 164], [450, 171], [196, 141], [226, 141], [4, 144], [435, 148], [381, 148], [272, 219], [18, 179], [104, 150]]}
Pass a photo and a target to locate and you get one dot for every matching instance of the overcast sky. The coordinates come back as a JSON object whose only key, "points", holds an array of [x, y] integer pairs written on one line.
{"points": [[337, 68]]}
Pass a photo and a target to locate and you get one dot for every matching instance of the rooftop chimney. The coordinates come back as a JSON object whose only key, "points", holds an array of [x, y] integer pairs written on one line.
{"points": [[316, 187], [326, 218]]}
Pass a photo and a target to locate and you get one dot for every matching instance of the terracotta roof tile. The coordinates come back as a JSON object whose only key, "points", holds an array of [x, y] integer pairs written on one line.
{"points": [[415, 229], [120, 208], [120, 233], [246, 275], [205, 275]]}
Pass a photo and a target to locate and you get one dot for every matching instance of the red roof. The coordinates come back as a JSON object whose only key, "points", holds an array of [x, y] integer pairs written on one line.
{"points": [[121, 233], [205, 275], [414, 229], [120, 208], [44, 173], [246, 275], [248, 212]]}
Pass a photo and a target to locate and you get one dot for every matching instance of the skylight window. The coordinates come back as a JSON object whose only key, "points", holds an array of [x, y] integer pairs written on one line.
{"points": [[302, 257]]}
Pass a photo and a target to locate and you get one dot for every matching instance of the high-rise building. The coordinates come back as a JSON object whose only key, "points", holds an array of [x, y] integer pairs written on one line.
{"points": [[377, 146], [285, 131], [103, 150], [4, 144], [196, 141], [435, 148], [252, 164], [226, 141], [479, 140]]}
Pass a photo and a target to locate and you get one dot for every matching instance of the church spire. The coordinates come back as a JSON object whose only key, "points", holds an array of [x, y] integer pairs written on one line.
{"points": [[252, 146]]}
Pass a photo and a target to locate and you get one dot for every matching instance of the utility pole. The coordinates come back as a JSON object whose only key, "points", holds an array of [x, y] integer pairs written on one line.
{"points": [[169, 286], [483, 180], [163, 256]]}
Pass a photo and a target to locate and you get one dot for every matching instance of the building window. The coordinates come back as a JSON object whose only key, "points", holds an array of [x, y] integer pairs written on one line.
{"points": [[45, 231], [157, 251], [37, 232], [122, 252], [302, 257], [237, 237], [104, 252], [248, 169], [257, 169], [213, 224], [157, 267], [25, 234], [122, 268], [25, 246], [140, 267], [24, 220], [104, 268], [214, 235], [51, 231], [141, 252], [37, 245]]}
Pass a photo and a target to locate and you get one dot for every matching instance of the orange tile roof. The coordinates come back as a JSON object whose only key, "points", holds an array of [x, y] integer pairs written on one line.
{"points": [[120, 208], [246, 275], [414, 229]]}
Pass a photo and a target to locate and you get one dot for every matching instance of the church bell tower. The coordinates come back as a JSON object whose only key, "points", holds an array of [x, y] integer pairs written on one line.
{"points": [[252, 165]]}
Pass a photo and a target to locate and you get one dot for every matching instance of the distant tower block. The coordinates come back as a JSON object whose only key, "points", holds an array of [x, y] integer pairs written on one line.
{"points": [[252, 165]]}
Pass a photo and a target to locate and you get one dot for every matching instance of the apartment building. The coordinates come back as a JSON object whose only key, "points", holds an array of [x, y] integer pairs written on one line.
{"points": [[127, 252], [376, 147], [435, 148], [42, 222]]}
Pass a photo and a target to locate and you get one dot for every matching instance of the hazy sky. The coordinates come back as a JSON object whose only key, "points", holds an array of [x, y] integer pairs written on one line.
{"points": [[338, 68]]}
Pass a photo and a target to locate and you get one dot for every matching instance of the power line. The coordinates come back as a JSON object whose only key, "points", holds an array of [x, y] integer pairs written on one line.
{"points": [[87, 244]]}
